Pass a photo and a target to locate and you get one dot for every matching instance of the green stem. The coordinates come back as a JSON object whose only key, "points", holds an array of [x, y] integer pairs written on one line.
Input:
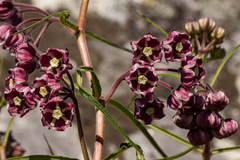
{"points": [[222, 64], [178, 155], [214, 151]]}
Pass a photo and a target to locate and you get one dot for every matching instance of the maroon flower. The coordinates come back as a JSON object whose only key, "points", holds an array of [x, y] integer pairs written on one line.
{"points": [[226, 129], [26, 56], [45, 87], [57, 114], [208, 119], [4, 31], [199, 136], [16, 17], [191, 71], [216, 101], [20, 100], [177, 46], [55, 62], [142, 79], [147, 50], [12, 41], [148, 108], [185, 121], [18, 76], [6, 9]]}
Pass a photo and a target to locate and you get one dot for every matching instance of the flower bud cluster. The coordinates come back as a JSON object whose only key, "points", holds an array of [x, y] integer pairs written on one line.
{"points": [[23, 96], [208, 36]]}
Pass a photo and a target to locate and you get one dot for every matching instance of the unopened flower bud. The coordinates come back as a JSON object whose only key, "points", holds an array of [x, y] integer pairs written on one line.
{"points": [[207, 24], [208, 119], [226, 129], [192, 27], [216, 101], [183, 120], [218, 33], [199, 136]]}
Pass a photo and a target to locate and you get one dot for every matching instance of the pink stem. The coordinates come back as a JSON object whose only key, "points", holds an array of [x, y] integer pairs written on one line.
{"points": [[167, 69], [165, 84], [38, 10]]}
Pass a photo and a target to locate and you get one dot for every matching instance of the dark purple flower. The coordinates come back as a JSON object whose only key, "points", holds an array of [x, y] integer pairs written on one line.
{"points": [[227, 128], [16, 17], [26, 56], [6, 9], [177, 46], [12, 41], [142, 79], [20, 100], [45, 87], [55, 62], [208, 119], [57, 114], [147, 50], [18, 76], [191, 71], [185, 121], [148, 108], [4, 31], [199, 136], [216, 101]]}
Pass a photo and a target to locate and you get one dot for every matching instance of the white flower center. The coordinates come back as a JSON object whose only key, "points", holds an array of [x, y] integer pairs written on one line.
{"points": [[142, 79], [57, 113], [147, 51], [55, 62]]}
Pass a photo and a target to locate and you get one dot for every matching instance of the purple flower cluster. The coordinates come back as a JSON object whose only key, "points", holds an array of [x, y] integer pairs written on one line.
{"points": [[142, 78], [44, 91]]}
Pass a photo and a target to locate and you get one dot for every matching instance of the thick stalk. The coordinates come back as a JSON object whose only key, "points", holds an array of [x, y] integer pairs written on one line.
{"points": [[81, 39], [207, 151]]}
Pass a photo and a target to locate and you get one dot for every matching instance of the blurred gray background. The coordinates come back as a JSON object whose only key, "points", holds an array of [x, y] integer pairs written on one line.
{"points": [[117, 21]]}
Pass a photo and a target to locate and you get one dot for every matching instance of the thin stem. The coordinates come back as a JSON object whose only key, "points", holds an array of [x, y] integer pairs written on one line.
{"points": [[2, 152], [208, 47], [27, 21], [167, 69], [32, 7], [37, 41], [115, 85], [165, 85], [198, 43], [71, 81], [207, 151]]}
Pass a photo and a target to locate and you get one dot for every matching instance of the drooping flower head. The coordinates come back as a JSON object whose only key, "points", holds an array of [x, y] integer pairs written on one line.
{"points": [[142, 79], [11, 41], [200, 136], [26, 56], [148, 108], [147, 50], [18, 76], [6, 9], [191, 71], [20, 100], [45, 87], [57, 114], [55, 62], [177, 46], [216, 101]]}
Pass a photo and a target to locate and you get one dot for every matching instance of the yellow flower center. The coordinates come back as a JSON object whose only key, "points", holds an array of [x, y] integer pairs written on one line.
{"points": [[196, 71], [179, 47], [17, 101], [55, 62], [142, 79], [57, 113], [43, 91], [150, 111], [147, 51], [11, 82]]}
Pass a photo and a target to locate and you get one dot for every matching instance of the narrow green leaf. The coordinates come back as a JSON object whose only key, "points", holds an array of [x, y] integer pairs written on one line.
{"points": [[63, 18], [90, 34], [54, 14], [95, 85], [214, 151], [123, 147], [49, 147], [129, 114], [222, 64], [173, 136], [169, 74], [79, 79], [107, 115], [178, 155], [41, 157], [8, 131], [162, 30]]}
